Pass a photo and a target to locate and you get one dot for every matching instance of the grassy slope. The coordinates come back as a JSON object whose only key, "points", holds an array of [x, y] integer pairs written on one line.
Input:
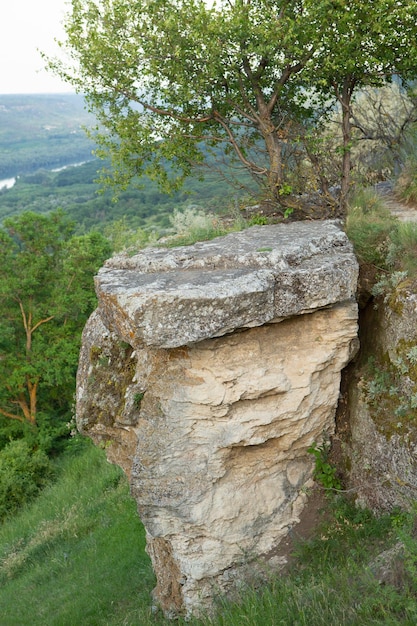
{"points": [[76, 556]]}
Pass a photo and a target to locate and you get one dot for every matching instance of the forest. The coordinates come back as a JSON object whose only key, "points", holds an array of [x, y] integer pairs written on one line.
{"points": [[42, 131], [142, 205], [58, 225]]}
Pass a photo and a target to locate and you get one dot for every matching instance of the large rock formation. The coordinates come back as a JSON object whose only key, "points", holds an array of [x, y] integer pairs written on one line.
{"points": [[208, 371], [381, 419]]}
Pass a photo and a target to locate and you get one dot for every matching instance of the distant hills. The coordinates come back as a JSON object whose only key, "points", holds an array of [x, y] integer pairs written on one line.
{"points": [[42, 131]]}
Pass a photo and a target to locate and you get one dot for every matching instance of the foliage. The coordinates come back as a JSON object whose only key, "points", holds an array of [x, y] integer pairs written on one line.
{"points": [[369, 225], [402, 253], [324, 472], [46, 295], [389, 388], [387, 285], [23, 472], [75, 190], [382, 128], [83, 527], [250, 78], [406, 184], [122, 237], [193, 224], [181, 74], [363, 44], [258, 220]]}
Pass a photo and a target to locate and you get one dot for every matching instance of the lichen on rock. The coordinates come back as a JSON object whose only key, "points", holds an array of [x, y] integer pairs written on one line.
{"points": [[382, 446]]}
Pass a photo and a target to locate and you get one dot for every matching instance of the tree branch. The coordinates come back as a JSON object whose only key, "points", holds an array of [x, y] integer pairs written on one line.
{"points": [[12, 416]]}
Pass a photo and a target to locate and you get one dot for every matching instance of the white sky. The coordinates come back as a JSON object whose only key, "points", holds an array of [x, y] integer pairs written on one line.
{"points": [[25, 26]]}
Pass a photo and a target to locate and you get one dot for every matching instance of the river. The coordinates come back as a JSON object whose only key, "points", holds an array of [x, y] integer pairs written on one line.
{"points": [[8, 183]]}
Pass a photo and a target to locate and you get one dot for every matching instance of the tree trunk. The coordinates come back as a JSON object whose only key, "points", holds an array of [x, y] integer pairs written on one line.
{"points": [[274, 148], [345, 99]]}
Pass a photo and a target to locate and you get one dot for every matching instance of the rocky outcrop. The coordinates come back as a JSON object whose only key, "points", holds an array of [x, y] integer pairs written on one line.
{"points": [[208, 371], [381, 449]]}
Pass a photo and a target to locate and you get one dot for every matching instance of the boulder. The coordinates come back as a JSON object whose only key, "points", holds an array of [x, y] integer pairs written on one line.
{"points": [[208, 371]]}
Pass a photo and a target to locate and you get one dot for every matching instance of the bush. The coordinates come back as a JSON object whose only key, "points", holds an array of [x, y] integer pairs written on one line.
{"points": [[23, 472], [402, 254]]}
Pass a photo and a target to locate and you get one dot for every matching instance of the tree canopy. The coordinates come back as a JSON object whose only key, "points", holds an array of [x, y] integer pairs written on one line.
{"points": [[169, 77], [46, 295]]}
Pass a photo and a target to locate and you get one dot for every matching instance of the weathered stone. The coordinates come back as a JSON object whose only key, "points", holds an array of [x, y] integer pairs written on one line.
{"points": [[213, 426], [169, 298], [382, 444]]}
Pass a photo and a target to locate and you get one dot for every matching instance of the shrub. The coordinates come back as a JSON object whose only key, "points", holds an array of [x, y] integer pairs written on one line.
{"points": [[402, 252], [23, 472]]}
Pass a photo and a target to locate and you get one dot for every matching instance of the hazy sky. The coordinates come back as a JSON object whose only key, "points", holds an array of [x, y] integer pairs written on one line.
{"points": [[25, 26]]}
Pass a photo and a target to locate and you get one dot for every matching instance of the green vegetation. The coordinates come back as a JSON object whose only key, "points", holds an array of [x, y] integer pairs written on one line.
{"points": [[72, 548], [76, 191], [379, 238], [368, 225], [23, 473], [324, 472], [76, 556], [46, 296], [406, 186], [173, 82], [39, 131]]}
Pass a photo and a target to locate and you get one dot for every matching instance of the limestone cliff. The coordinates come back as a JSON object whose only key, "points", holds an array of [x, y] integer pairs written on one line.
{"points": [[208, 371]]}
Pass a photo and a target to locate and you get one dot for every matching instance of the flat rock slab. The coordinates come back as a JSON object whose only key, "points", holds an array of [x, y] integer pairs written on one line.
{"points": [[166, 298]]}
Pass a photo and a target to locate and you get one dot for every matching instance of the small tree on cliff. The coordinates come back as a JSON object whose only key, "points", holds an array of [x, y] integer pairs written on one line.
{"points": [[363, 44], [46, 294], [171, 80], [169, 77]]}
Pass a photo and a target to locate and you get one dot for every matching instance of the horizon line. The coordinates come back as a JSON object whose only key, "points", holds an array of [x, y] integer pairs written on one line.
{"points": [[41, 93]]}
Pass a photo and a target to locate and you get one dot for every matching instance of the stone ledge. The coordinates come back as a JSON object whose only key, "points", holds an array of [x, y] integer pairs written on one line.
{"points": [[169, 298]]}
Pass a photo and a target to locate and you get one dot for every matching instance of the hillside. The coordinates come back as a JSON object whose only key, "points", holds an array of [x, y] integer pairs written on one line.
{"points": [[42, 131], [76, 555], [76, 190]]}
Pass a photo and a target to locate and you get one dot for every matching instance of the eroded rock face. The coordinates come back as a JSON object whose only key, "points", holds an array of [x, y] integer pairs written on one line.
{"points": [[382, 445], [210, 370]]}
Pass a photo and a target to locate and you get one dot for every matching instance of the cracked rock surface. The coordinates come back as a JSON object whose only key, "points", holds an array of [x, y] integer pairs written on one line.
{"points": [[208, 371]]}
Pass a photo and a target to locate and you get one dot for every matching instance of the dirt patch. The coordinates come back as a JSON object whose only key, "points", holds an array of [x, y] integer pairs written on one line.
{"points": [[294, 208], [405, 212], [314, 515]]}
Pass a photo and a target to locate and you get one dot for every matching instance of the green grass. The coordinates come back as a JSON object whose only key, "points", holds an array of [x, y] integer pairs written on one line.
{"points": [[368, 225], [379, 238], [76, 556]]}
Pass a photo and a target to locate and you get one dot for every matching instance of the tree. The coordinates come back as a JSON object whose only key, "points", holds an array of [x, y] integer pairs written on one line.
{"points": [[169, 77], [166, 78], [363, 44], [46, 295]]}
